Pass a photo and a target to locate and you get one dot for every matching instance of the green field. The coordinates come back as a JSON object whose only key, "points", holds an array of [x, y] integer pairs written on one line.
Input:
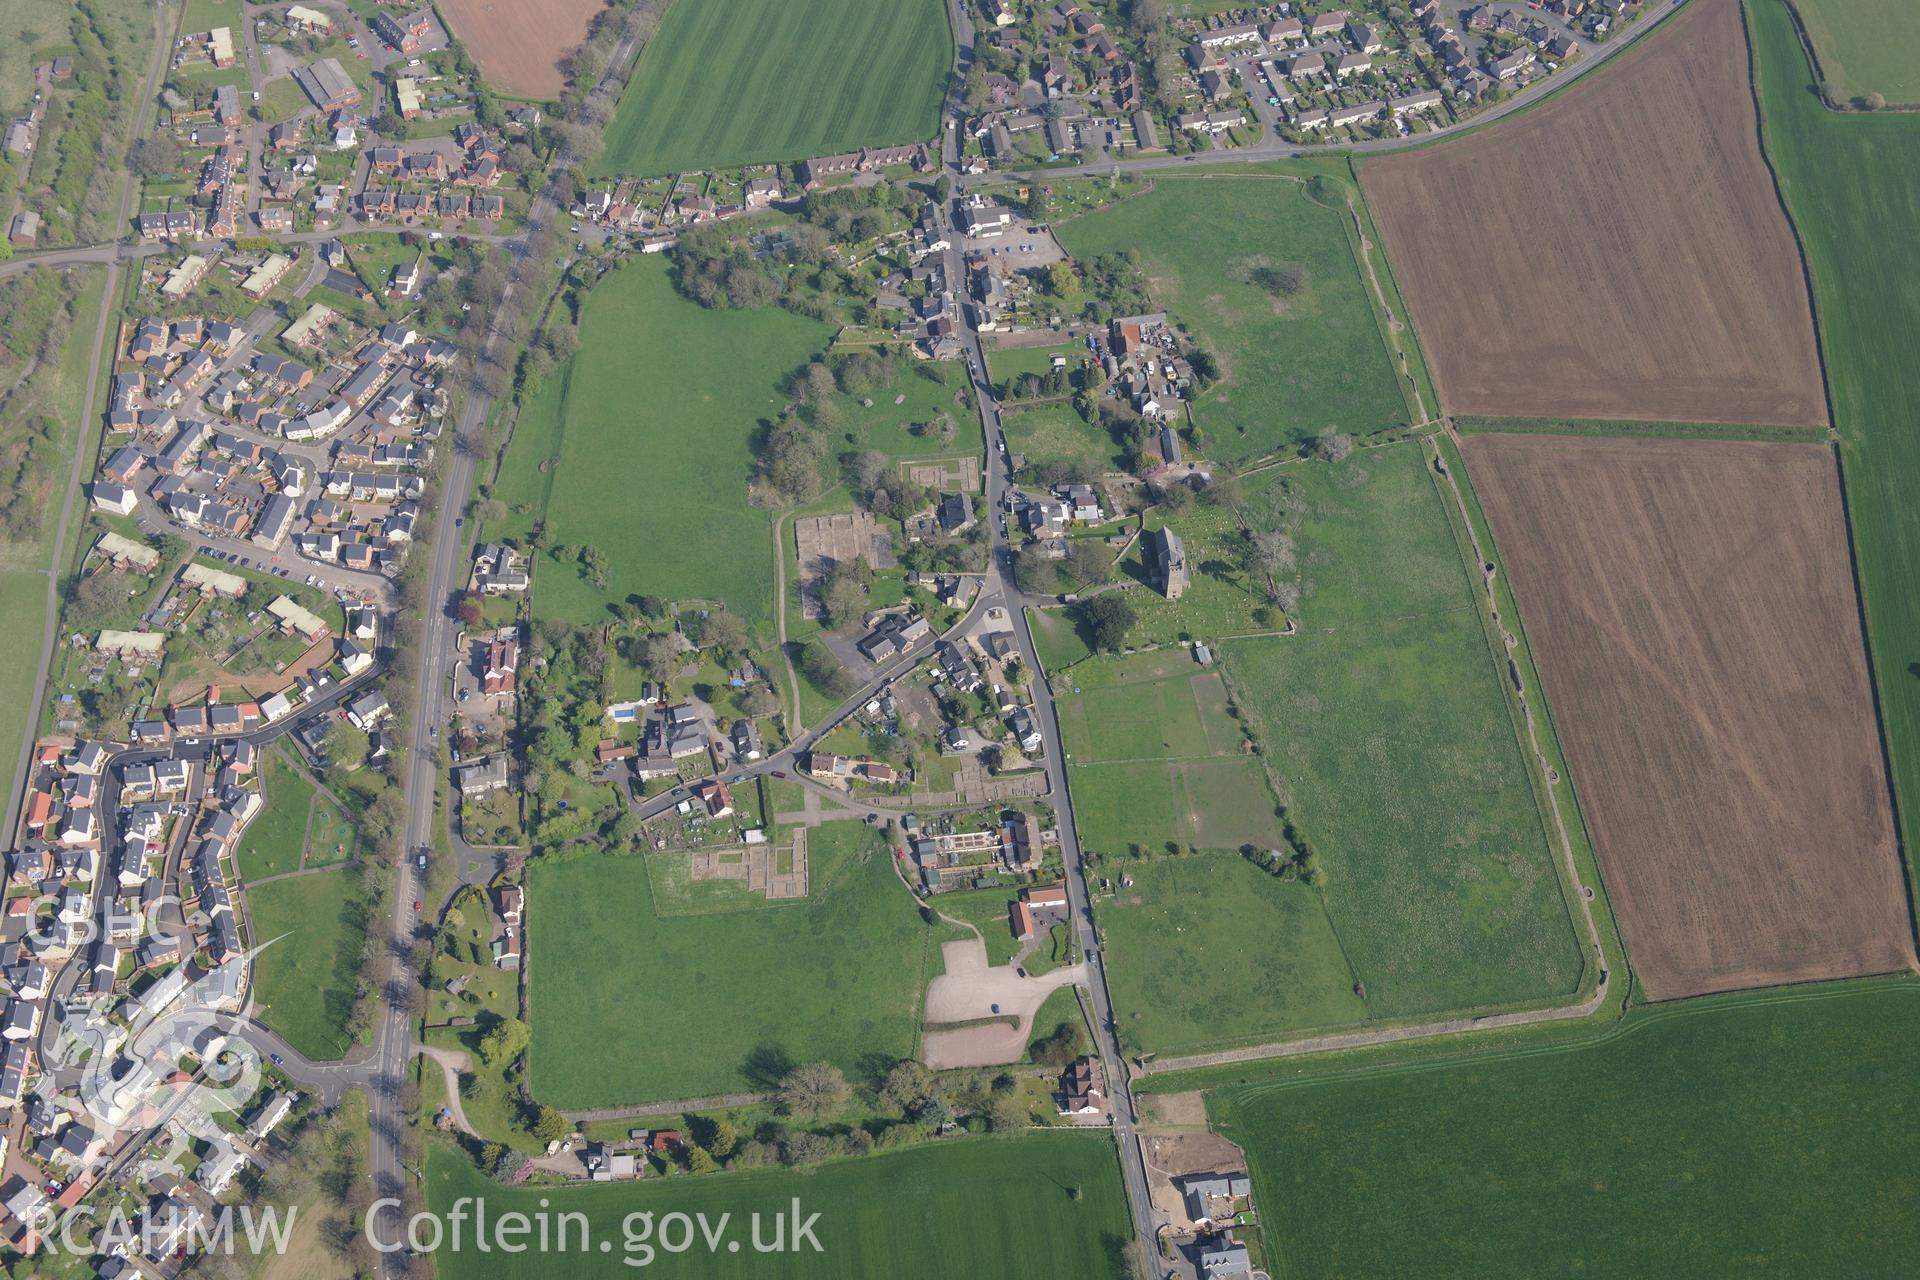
{"points": [[274, 840], [1752, 1135], [1155, 759], [730, 82], [305, 982], [1852, 184], [1208, 950], [1866, 46], [1385, 727], [1045, 1204], [651, 424], [1291, 367], [634, 1007]]}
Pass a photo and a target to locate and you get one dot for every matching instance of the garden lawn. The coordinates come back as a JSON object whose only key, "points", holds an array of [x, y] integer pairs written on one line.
{"points": [[1758, 1134], [274, 840], [1211, 950], [1386, 730], [305, 982], [630, 1007], [1866, 46], [1055, 433], [651, 424], [730, 82], [1042, 1204], [1291, 367], [1852, 185], [986, 910], [1004, 364]]}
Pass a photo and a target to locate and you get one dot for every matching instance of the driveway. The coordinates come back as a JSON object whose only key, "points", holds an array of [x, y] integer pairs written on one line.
{"points": [[969, 991]]}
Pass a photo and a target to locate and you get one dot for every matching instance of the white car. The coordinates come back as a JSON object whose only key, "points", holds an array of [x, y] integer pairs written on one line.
{"points": [[256, 95]]}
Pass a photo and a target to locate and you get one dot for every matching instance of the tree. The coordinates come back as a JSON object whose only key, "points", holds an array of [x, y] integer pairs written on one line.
{"points": [[548, 1125], [807, 1148], [1283, 279], [504, 1041], [628, 828], [1270, 553], [1006, 1113], [1332, 446], [699, 1160], [1876, 102], [1062, 283], [759, 700], [346, 746], [814, 1089], [154, 156], [658, 655], [1108, 618], [791, 457], [723, 1139], [906, 1084], [818, 665], [932, 1111], [724, 632]]}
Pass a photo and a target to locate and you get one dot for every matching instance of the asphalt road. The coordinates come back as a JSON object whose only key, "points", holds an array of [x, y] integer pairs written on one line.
{"points": [[452, 546], [1001, 590]]}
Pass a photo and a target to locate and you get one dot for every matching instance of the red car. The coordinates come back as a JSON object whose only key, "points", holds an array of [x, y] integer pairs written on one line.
{"points": [[416, 906], [778, 774]]}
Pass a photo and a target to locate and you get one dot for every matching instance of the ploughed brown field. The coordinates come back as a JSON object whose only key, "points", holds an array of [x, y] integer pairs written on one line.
{"points": [[1617, 252], [519, 44], [1692, 610]]}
